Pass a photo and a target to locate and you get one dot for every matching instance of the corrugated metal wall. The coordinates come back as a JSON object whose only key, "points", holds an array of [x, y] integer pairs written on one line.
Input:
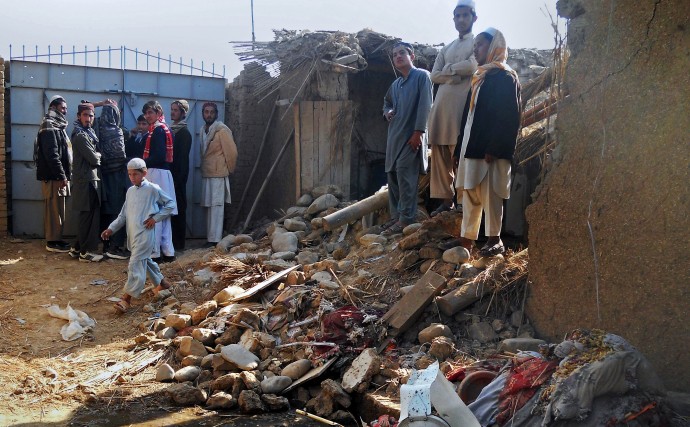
{"points": [[31, 86]]}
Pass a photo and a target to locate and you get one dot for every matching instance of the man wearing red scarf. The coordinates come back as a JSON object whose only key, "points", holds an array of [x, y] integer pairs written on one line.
{"points": [[158, 154]]}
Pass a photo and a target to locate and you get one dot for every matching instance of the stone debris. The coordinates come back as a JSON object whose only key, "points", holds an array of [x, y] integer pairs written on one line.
{"points": [[165, 373], [185, 394], [221, 400], [188, 373], [355, 308], [240, 357], [365, 366]]}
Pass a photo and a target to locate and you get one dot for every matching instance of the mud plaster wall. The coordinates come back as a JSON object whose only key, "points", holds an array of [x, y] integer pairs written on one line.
{"points": [[247, 115], [247, 118], [4, 208], [621, 166]]}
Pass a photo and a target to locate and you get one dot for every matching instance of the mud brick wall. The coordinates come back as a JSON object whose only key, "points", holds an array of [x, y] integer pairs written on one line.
{"points": [[247, 118], [621, 170], [4, 198]]}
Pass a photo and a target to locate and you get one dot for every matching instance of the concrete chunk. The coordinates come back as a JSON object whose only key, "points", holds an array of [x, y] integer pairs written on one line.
{"points": [[365, 366]]}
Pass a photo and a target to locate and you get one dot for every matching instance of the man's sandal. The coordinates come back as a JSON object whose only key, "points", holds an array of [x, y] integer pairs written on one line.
{"points": [[492, 250], [161, 292], [122, 306], [442, 208]]}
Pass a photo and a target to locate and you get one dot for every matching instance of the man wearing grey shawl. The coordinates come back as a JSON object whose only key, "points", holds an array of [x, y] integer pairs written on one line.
{"points": [[114, 180]]}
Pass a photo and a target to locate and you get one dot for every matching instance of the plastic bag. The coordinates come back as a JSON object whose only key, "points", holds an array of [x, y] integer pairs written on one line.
{"points": [[79, 322]]}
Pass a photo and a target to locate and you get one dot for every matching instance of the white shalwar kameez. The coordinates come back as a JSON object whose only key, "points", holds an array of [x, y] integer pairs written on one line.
{"points": [[141, 203], [163, 178], [215, 193], [482, 185]]}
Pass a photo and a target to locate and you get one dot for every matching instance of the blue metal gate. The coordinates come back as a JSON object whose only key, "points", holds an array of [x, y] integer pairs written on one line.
{"points": [[33, 83]]}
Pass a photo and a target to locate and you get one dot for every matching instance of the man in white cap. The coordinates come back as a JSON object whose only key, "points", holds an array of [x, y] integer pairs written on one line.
{"points": [[53, 158], [452, 71]]}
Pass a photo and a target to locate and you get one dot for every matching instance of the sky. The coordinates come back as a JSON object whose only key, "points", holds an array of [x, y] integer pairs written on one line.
{"points": [[201, 30]]}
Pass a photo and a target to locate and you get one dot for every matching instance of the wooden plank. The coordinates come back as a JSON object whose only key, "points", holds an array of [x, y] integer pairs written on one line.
{"points": [[347, 150], [307, 150], [266, 283], [408, 309], [324, 143], [315, 145], [298, 149], [335, 156]]}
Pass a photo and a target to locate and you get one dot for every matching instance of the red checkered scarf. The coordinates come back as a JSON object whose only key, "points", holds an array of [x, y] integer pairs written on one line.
{"points": [[168, 140]]}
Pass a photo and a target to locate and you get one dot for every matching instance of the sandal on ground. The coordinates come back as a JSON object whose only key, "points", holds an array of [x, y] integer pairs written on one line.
{"points": [[122, 306], [158, 291], [442, 208], [396, 228], [449, 244], [493, 250], [388, 224]]}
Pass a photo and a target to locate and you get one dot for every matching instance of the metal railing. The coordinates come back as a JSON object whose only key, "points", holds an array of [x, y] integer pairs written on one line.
{"points": [[142, 60]]}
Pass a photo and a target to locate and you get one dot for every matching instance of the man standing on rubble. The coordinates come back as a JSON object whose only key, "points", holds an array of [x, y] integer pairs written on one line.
{"points": [[53, 158], [182, 144], [490, 125], [406, 108], [452, 71], [218, 159]]}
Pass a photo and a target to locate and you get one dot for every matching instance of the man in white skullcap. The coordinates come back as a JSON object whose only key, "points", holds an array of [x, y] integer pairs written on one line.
{"points": [[145, 205], [452, 71]]}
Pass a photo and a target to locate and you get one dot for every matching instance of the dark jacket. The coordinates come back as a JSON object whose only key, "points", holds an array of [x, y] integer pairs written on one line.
{"points": [[52, 156], [182, 145], [135, 149], [496, 118], [86, 174], [156, 158]]}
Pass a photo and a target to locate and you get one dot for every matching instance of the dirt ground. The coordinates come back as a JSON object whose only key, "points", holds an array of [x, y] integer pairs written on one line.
{"points": [[43, 376]]}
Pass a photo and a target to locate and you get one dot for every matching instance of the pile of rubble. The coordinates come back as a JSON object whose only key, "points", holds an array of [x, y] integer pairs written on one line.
{"points": [[299, 315]]}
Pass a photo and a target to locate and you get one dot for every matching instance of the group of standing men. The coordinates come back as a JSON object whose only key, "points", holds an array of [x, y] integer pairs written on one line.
{"points": [[472, 136], [91, 166]]}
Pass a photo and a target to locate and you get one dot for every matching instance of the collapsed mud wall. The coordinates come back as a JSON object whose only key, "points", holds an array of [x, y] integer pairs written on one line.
{"points": [[609, 235], [246, 116]]}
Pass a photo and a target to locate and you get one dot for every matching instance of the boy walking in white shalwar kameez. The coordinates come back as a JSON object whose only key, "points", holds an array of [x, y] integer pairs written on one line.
{"points": [[145, 205]]}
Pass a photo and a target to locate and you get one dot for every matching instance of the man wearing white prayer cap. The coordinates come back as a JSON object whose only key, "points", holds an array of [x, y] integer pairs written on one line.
{"points": [[452, 71]]}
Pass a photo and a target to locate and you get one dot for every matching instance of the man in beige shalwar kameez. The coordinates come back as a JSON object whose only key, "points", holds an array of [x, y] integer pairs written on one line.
{"points": [[452, 71]]}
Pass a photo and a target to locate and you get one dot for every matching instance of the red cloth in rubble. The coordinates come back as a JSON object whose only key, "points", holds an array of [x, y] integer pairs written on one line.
{"points": [[336, 325], [524, 381]]}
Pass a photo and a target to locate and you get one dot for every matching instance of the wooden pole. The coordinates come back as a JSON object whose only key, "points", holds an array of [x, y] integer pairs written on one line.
{"points": [[256, 165], [356, 211], [266, 180]]}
